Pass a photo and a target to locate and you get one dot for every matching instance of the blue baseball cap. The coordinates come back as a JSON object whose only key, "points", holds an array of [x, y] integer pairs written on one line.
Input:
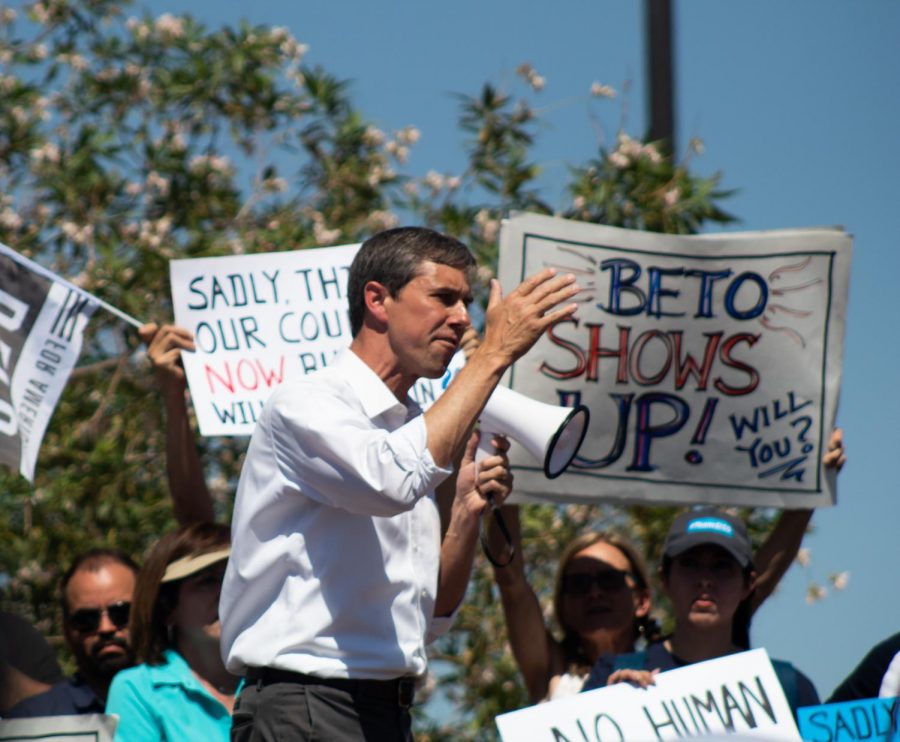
{"points": [[709, 526]]}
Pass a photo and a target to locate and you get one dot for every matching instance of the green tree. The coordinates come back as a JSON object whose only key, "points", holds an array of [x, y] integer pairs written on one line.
{"points": [[129, 141]]}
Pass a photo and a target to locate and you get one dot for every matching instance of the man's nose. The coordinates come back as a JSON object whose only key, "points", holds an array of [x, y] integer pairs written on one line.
{"points": [[460, 315], [106, 625]]}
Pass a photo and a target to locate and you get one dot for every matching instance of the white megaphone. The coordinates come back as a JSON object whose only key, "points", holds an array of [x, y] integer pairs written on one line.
{"points": [[551, 434]]}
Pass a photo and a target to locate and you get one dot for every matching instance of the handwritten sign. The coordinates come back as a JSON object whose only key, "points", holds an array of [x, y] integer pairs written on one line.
{"points": [[736, 695], [872, 718], [711, 364], [80, 728], [259, 320]]}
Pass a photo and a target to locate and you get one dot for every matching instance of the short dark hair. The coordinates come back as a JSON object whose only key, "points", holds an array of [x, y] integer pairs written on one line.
{"points": [[93, 560], [392, 258], [155, 600]]}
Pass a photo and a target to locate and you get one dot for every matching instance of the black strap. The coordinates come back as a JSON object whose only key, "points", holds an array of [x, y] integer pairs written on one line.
{"points": [[501, 524]]}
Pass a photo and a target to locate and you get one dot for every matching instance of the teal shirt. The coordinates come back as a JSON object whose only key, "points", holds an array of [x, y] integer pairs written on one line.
{"points": [[166, 702]]}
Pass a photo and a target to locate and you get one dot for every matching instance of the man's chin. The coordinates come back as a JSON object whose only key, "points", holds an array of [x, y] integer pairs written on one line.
{"points": [[110, 663]]}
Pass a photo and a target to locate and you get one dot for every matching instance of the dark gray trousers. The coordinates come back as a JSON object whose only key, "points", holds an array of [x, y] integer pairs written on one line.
{"points": [[316, 713]]}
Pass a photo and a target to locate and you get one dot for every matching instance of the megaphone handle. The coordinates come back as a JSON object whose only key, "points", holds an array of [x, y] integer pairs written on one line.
{"points": [[504, 531]]}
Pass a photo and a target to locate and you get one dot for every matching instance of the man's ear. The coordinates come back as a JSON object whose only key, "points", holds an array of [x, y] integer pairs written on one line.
{"points": [[376, 297]]}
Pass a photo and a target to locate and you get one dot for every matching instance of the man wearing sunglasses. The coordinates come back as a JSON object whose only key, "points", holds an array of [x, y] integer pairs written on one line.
{"points": [[96, 594]]}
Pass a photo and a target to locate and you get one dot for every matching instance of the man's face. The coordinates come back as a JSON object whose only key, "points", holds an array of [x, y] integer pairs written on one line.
{"points": [[101, 650], [427, 319]]}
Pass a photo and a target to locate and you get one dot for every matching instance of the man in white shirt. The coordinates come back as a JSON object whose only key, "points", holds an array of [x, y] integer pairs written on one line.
{"points": [[338, 576]]}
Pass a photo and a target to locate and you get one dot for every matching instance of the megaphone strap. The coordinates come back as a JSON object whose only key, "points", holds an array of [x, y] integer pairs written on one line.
{"points": [[501, 525]]}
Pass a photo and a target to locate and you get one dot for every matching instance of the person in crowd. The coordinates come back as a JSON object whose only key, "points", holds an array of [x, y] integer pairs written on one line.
{"points": [[876, 676], [338, 576], [707, 572], [181, 690], [191, 500], [96, 593], [28, 664], [613, 611]]}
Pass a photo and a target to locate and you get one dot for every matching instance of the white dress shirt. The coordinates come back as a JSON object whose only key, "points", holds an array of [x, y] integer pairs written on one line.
{"points": [[336, 534]]}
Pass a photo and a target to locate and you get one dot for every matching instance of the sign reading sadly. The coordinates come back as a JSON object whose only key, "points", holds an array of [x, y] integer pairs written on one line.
{"points": [[871, 718], [76, 728], [739, 694], [259, 320], [711, 364]]}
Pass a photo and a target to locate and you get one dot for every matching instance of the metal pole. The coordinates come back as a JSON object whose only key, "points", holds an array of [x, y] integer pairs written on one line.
{"points": [[661, 91]]}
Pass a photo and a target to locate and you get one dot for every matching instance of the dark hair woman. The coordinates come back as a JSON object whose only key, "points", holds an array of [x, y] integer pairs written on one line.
{"points": [[181, 690]]}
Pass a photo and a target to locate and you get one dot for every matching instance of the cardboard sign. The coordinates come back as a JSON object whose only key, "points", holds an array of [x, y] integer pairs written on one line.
{"points": [[872, 718], [711, 364], [736, 695], [80, 728], [259, 320]]}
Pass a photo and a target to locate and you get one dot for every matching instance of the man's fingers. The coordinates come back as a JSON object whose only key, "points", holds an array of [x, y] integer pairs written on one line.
{"points": [[550, 286], [471, 446], [534, 281], [558, 296], [496, 295]]}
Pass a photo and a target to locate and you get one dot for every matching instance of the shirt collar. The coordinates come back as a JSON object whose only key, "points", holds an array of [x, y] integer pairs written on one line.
{"points": [[375, 397], [175, 671], [83, 697]]}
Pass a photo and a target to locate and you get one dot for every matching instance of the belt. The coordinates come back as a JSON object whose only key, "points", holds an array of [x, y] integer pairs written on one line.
{"points": [[401, 691]]}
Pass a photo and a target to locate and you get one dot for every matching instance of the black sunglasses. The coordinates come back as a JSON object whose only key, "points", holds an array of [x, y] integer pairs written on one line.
{"points": [[87, 620], [610, 580]]}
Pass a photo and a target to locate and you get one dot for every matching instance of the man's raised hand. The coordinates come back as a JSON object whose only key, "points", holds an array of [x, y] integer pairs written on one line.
{"points": [[515, 322]]}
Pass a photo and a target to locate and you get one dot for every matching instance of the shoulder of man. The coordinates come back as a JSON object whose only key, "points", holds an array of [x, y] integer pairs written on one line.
{"points": [[70, 696]]}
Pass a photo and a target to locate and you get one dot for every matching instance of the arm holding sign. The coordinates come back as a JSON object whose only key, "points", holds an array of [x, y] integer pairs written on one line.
{"points": [[191, 500], [539, 656], [780, 548]]}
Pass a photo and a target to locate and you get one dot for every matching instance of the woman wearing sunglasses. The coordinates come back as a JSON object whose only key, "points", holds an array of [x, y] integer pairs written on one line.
{"points": [[601, 602], [602, 599], [182, 690], [707, 573]]}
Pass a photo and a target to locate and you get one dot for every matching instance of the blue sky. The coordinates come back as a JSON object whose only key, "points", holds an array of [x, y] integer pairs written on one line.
{"points": [[797, 103]]}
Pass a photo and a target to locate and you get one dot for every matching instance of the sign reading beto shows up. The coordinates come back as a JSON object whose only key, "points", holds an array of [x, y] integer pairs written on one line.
{"points": [[710, 364]]}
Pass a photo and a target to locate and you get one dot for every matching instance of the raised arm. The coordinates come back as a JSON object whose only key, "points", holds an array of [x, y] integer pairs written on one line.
{"points": [[536, 652], [191, 501], [777, 553]]}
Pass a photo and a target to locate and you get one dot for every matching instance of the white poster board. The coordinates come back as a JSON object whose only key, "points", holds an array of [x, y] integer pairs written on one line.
{"points": [[711, 364], [737, 695], [80, 728], [259, 320]]}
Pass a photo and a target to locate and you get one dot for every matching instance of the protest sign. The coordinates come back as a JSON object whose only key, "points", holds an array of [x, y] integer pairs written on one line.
{"points": [[735, 695], [80, 728], [710, 364], [42, 321], [870, 718], [259, 320]]}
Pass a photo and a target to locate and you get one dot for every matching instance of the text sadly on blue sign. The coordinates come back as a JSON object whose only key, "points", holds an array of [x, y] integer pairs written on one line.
{"points": [[872, 718]]}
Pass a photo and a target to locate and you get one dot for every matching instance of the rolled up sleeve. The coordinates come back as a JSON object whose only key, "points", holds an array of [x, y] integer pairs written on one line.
{"points": [[336, 456]]}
